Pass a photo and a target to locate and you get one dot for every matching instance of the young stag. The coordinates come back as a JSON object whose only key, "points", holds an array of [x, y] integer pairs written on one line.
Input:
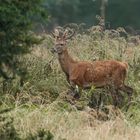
{"points": [[85, 74]]}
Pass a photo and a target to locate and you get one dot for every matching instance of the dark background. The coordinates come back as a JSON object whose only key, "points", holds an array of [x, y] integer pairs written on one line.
{"points": [[117, 12]]}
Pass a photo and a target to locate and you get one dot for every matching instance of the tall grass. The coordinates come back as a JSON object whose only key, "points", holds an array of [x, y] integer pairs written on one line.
{"points": [[40, 108]]}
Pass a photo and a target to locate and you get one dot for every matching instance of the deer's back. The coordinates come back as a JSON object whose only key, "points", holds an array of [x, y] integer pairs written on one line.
{"points": [[98, 73]]}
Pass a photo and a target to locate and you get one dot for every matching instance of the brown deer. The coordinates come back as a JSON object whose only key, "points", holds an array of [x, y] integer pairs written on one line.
{"points": [[85, 74]]}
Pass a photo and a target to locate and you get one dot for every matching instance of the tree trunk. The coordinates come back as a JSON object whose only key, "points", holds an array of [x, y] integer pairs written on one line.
{"points": [[103, 10]]}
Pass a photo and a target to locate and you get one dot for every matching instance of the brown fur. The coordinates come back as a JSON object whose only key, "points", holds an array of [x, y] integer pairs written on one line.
{"points": [[96, 73]]}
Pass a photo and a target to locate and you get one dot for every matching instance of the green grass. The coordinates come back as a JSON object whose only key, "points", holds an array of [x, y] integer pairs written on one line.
{"points": [[39, 109]]}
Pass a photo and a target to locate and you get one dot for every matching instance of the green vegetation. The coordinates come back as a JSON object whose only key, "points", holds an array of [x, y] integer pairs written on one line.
{"points": [[16, 38], [42, 109], [36, 102], [118, 12]]}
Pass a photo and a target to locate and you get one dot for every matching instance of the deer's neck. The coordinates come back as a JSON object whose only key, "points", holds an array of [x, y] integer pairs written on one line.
{"points": [[66, 61]]}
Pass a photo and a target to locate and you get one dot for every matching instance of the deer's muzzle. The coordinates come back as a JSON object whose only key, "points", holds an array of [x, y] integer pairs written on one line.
{"points": [[53, 50]]}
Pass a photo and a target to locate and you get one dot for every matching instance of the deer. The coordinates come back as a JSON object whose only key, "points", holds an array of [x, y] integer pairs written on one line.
{"points": [[85, 74]]}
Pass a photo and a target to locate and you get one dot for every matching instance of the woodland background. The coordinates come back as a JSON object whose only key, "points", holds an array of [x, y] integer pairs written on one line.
{"points": [[34, 100]]}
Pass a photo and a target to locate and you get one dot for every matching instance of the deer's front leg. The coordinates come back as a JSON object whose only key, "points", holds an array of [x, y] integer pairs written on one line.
{"points": [[76, 90]]}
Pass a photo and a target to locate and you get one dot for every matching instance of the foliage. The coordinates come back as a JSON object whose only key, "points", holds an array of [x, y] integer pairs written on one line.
{"points": [[43, 105], [16, 19], [65, 11], [118, 13], [41, 135], [123, 13], [7, 130]]}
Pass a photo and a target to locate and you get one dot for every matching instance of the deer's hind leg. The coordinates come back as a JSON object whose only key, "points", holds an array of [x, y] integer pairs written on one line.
{"points": [[128, 90], [114, 94]]}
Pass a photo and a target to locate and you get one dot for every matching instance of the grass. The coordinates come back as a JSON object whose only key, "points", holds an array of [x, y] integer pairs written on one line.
{"points": [[40, 109], [71, 124]]}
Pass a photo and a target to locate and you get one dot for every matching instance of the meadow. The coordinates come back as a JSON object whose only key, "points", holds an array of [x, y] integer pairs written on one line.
{"points": [[41, 108]]}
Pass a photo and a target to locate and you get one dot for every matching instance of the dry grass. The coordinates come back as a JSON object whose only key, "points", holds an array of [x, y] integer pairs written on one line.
{"points": [[75, 125], [40, 104]]}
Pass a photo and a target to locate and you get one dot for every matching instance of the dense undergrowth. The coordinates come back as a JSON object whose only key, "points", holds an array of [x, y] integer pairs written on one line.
{"points": [[41, 108]]}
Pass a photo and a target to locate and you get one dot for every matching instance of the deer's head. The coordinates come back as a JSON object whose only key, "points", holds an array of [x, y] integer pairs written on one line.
{"points": [[61, 38]]}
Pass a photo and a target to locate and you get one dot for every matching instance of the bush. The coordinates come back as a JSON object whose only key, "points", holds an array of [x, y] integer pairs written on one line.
{"points": [[7, 130], [16, 38]]}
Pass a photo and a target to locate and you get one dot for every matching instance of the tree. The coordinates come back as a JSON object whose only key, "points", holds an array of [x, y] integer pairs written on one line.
{"points": [[72, 11], [123, 13], [103, 11], [117, 12], [16, 20]]}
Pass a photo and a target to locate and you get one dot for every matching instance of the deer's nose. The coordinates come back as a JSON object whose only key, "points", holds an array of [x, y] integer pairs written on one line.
{"points": [[53, 50]]}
